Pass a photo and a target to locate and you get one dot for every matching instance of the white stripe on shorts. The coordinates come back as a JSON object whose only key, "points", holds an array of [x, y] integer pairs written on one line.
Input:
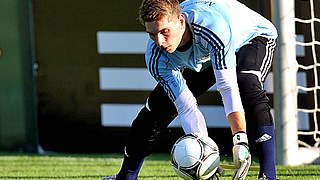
{"points": [[267, 60]]}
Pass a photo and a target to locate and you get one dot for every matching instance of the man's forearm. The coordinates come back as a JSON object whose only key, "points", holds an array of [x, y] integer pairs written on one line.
{"points": [[237, 122], [191, 118]]}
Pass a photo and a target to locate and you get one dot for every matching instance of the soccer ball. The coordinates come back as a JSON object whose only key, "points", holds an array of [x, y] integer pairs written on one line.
{"points": [[195, 157]]}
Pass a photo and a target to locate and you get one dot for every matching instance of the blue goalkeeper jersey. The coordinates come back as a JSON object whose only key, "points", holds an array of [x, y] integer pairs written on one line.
{"points": [[219, 29]]}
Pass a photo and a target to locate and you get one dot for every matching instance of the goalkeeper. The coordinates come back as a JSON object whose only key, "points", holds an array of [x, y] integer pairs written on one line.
{"points": [[193, 46]]}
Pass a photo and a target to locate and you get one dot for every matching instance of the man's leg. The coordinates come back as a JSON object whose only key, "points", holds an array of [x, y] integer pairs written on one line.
{"points": [[254, 62], [260, 129], [152, 119]]}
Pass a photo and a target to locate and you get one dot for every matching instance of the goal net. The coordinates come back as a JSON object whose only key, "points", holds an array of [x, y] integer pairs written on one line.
{"points": [[298, 24]]}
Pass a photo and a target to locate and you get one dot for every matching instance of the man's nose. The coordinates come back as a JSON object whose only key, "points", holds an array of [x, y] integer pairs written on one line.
{"points": [[160, 40]]}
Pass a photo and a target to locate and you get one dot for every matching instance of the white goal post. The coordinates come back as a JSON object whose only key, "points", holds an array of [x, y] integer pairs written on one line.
{"points": [[285, 69]]}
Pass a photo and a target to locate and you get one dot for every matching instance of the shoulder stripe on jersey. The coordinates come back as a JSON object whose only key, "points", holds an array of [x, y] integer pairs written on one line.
{"points": [[151, 61], [215, 42], [218, 45], [154, 70], [162, 81]]}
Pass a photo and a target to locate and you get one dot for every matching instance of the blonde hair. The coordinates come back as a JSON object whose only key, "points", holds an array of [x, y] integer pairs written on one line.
{"points": [[153, 10]]}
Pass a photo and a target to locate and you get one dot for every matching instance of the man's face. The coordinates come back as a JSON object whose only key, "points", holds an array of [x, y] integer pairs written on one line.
{"points": [[166, 32]]}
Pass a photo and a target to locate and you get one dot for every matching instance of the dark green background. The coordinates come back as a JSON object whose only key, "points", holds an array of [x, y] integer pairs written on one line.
{"points": [[18, 126]]}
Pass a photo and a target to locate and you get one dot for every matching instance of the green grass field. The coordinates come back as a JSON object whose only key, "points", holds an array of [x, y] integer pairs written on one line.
{"points": [[95, 166]]}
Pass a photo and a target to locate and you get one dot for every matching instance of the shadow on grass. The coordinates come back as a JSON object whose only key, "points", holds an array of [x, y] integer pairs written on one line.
{"points": [[153, 157], [55, 154]]}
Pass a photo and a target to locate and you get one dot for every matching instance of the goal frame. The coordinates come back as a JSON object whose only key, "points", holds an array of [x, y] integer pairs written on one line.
{"points": [[285, 70]]}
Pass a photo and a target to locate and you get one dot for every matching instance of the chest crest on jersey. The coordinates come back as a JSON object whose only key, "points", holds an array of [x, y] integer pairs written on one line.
{"points": [[205, 57]]}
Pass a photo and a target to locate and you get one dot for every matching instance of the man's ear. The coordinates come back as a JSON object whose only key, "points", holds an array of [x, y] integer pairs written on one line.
{"points": [[182, 19]]}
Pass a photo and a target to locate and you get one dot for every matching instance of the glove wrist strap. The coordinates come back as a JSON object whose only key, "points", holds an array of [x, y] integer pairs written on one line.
{"points": [[239, 138]]}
